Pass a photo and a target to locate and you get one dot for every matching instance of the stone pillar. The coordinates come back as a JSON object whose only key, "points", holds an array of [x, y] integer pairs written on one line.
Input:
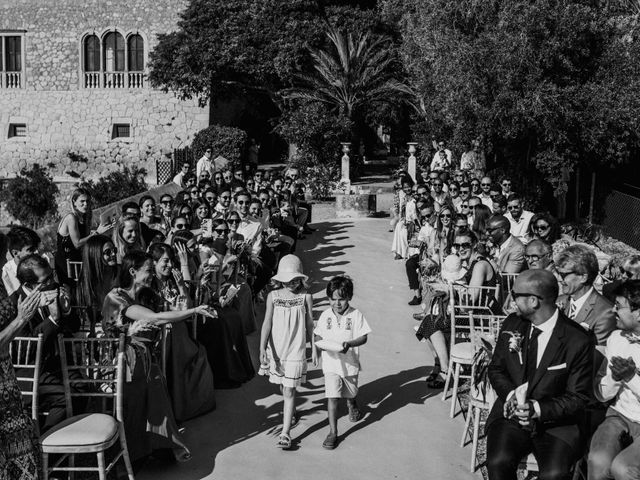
{"points": [[412, 163], [345, 161]]}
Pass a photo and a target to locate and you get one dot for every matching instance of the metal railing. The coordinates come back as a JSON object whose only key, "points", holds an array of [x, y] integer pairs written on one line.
{"points": [[11, 80]]}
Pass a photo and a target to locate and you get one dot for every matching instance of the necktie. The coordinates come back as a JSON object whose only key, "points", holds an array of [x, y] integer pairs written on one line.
{"points": [[572, 309], [532, 352]]}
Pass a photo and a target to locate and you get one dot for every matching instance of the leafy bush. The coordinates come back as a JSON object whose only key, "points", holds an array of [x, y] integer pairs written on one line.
{"points": [[228, 142], [30, 197], [317, 132], [116, 186]]}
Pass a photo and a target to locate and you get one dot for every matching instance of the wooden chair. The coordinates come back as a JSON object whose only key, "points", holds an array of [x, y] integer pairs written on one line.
{"points": [[26, 355], [487, 328], [98, 364], [462, 301], [506, 284]]}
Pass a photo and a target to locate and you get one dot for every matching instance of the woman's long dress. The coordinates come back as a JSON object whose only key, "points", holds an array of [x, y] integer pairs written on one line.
{"points": [[66, 250], [148, 415], [189, 375], [19, 446]]}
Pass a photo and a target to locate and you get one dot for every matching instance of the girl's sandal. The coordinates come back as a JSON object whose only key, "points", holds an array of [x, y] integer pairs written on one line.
{"points": [[284, 441]]}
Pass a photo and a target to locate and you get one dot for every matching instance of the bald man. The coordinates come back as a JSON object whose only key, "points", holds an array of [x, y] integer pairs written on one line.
{"points": [[553, 369], [509, 254]]}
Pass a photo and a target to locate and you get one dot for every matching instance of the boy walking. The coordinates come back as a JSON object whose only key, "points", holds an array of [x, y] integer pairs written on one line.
{"points": [[343, 329]]}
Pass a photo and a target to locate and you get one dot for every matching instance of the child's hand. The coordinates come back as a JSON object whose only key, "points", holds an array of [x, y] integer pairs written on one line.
{"points": [[264, 359], [345, 347]]}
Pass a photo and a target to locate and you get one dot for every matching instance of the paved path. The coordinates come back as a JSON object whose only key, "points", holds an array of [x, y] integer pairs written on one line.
{"points": [[406, 433]]}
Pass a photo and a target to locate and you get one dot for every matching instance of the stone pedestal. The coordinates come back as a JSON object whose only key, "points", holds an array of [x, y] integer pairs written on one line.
{"points": [[355, 205], [412, 161]]}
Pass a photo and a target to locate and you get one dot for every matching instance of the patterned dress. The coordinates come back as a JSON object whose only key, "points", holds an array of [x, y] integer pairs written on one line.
{"points": [[19, 447], [286, 346]]}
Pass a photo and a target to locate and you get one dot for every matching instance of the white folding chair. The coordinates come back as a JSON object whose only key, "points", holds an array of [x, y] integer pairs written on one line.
{"points": [[74, 269], [96, 365], [26, 356], [506, 284], [462, 301]]}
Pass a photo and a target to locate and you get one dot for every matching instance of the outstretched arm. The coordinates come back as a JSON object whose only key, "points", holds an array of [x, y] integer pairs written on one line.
{"points": [[266, 329]]}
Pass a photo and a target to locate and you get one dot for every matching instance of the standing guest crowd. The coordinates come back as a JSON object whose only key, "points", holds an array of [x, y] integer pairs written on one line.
{"points": [[176, 275], [564, 365]]}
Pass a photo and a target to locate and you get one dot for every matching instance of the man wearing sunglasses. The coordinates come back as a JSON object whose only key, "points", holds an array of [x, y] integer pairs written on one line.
{"points": [[518, 218], [551, 369], [578, 268], [509, 251]]}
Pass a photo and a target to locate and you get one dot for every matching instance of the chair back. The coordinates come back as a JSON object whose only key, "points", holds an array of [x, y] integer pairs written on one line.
{"points": [[74, 269], [484, 327], [26, 355], [95, 367], [463, 300], [506, 284]]}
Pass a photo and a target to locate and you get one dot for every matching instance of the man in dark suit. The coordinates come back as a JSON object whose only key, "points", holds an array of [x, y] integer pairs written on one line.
{"points": [[577, 267], [509, 250], [543, 382], [52, 317]]}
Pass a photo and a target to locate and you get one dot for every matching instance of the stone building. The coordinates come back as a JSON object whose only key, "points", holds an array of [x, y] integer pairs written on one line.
{"points": [[73, 87]]}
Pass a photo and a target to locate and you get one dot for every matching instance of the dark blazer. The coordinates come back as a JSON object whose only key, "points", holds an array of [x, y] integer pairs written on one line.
{"points": [[563, 392], [596, 312]]}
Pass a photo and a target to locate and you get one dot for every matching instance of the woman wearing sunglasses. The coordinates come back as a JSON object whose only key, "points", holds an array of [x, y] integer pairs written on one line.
{"points": [[480, 272], [544, 227], [442, 236], [233, 220], [99, 272]]}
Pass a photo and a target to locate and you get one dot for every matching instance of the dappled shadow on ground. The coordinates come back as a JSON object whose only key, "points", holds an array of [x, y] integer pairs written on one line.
{"points": [[377, 399]]}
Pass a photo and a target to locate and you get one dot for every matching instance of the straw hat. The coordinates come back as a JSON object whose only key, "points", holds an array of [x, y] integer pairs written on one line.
{"points": [[452, 270], [289, 268]]}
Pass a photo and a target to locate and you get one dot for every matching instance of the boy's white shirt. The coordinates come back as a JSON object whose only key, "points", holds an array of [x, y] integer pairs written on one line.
{"points": [[349, 326], [9, 276]]}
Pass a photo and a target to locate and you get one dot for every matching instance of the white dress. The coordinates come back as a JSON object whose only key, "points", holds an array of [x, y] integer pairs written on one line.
{"points": [[286, 346]]}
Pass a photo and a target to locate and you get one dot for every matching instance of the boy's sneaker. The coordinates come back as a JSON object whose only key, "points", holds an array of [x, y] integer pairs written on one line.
{"points": [[355, 415], [330, 442]]}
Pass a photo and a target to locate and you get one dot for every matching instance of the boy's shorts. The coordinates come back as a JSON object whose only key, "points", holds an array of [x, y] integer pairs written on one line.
{"points": [[336, 386]]}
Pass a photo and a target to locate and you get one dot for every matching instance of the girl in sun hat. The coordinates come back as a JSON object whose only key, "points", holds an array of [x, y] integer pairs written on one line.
{"points": [[288, 324]]}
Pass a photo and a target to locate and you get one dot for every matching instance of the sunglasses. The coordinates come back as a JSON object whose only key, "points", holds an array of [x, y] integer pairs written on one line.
{"points": [[564, 275], [515, 295], [225, 197], [234, 220], [462, 246], [540, 226], [110, 251], [445, 215], [474, 184], [464, 205], [437, 184], [210, 199], [626, 273], [221, 231], [180, 226], [514, 207], [464, 191], [166, 202], [534, 258], [485, 184], [506, 184]]}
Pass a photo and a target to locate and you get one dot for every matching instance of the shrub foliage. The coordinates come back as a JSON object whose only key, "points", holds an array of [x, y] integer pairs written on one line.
{"points": [[30, 197], [228, 142], [116, 186]]}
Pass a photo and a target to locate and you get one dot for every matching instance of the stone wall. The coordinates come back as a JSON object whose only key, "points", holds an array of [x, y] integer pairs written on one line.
{"points": [[64, 118]]}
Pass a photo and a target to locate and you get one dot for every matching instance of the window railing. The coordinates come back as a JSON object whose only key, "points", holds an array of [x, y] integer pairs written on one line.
{"points": [[11, 80], [114, 80]]}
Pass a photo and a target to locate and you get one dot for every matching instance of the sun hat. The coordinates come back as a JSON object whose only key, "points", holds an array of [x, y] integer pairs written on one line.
{"points": [[452, 270], [289, 268]]}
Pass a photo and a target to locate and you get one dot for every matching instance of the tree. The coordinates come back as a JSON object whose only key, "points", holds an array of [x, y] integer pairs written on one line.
{"points": [[116, 186], [538, 80], [31, 196]]}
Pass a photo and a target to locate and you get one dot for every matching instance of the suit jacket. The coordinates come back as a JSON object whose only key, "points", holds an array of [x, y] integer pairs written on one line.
{"points": [[563, 391], [511, 257], [596, 313]]}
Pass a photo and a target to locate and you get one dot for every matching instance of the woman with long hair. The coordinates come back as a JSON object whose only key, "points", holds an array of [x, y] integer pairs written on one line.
{"points": [[73, 232], [481, 215], [127, 236], [441, 238], [99, 272], [136, 310], [189, 376], [545, 227]]}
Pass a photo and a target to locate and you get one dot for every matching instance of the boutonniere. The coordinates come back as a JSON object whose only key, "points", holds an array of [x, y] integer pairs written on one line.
{"points": [[515, 343]]}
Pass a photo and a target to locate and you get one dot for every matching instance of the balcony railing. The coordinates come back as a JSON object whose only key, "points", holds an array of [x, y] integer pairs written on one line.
{"points": [[11, 80], [114, 80]]}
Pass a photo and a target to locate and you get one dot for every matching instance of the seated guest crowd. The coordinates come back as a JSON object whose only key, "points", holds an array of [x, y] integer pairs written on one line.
{"points": [[565, 321], [180, 279]]}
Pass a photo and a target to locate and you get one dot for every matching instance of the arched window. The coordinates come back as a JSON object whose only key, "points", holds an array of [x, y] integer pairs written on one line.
{"points": [[114, 52], [135, 46], [92, 53]]}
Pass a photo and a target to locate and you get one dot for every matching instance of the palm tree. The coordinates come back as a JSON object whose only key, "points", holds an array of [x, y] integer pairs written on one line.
{"points": [[350, 75]]}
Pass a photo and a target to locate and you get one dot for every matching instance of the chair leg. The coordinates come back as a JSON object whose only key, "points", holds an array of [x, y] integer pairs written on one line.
{"points": [[102, 472], [45, 466], [72, 463], [454, 392], [447, 380], [467, 424], [125, 455], [476, 434]]}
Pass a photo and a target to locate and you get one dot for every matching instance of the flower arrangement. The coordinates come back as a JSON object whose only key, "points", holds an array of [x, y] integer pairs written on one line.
{"points": [[515, 343]]}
